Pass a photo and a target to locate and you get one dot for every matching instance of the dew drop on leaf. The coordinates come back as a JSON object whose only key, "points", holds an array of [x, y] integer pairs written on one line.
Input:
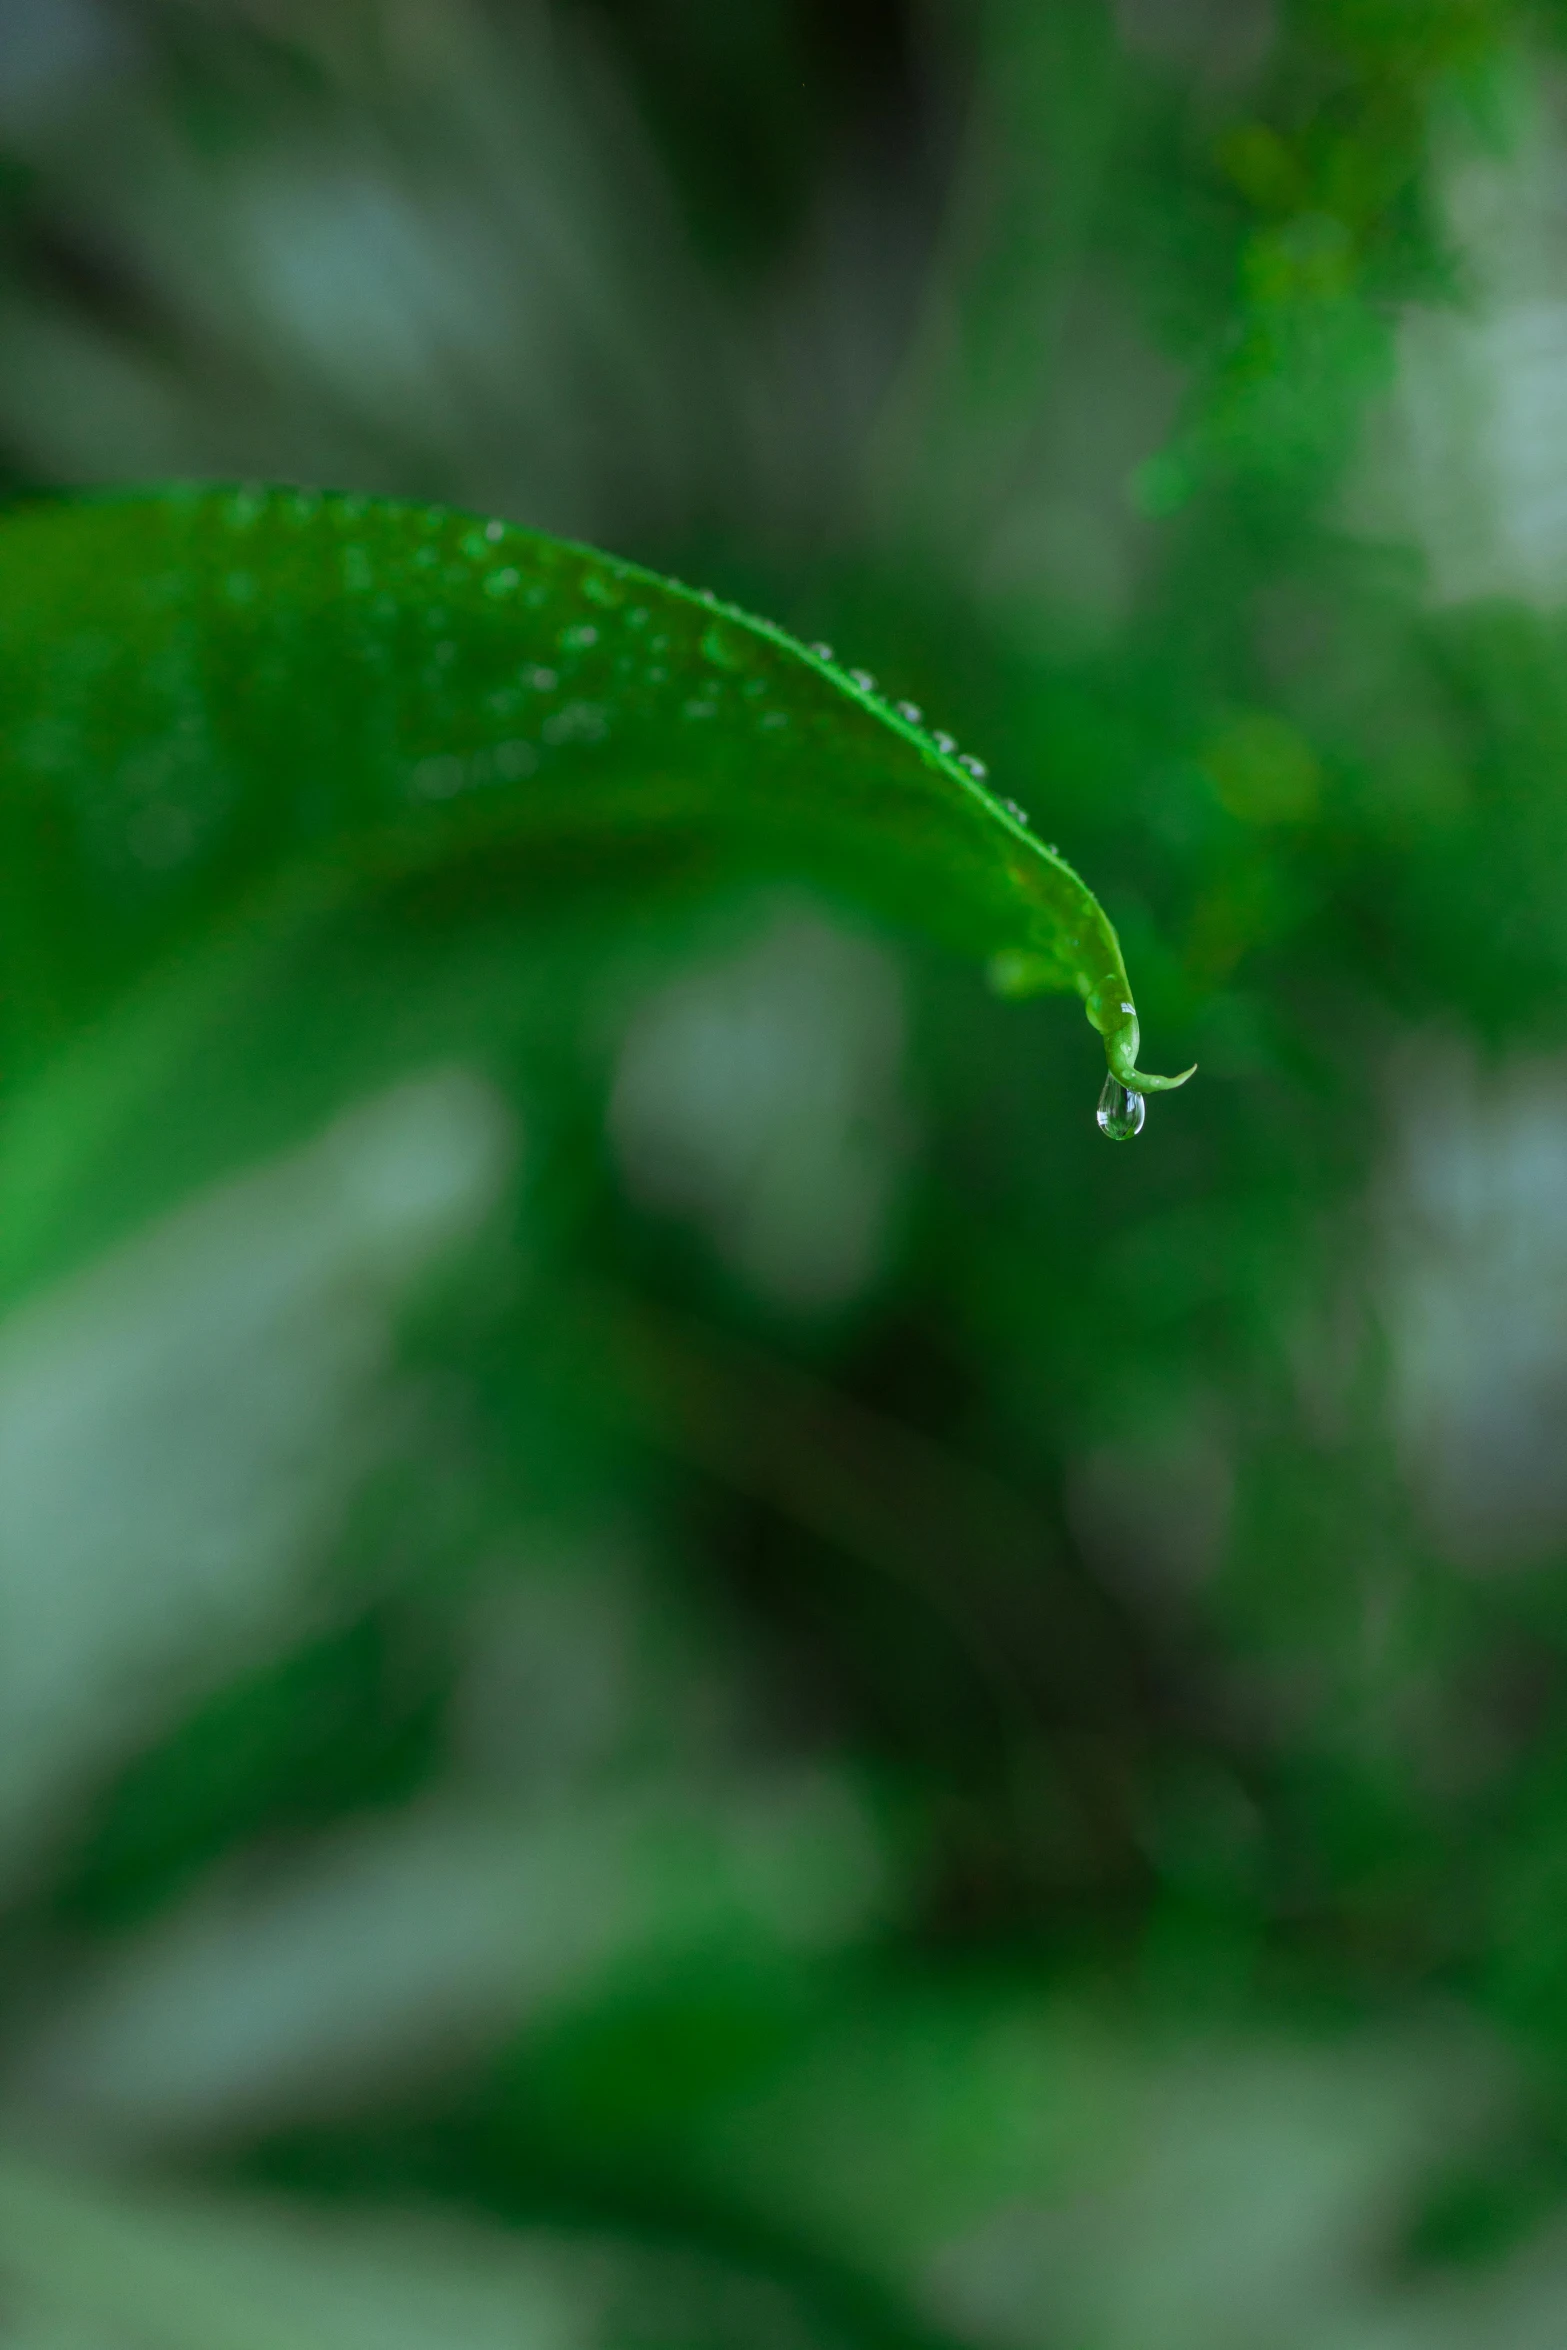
{"points": [[577, 722], [822, 652], [911, 711], [863, 679], [1121, 1111], [973, 766], [720, 649], [946, 744]]}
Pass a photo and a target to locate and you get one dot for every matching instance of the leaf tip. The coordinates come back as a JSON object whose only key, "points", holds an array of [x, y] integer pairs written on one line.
{"points": [[1160, 1084]]}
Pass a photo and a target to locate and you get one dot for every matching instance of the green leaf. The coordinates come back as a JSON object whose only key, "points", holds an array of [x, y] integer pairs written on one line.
{"points": [[217, 701]]}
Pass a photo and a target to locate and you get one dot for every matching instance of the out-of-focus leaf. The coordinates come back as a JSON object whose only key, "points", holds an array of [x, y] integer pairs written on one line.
{"points": [[182, 1427], [381, 1954], [91, 2263]]}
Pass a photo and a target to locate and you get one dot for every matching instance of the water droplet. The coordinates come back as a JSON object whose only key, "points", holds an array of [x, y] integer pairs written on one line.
{"points": [[946, 744], [577, 722], [578, 638], [1012, 809], [1132, 1008], [515, 759], [502, 583], [1121, 1111], [494, 530], [822, 652], [973, 766], [863, 679], [911, 711], [440, 778]]}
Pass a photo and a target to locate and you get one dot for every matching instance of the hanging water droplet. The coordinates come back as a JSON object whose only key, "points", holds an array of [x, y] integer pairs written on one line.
{"points": [[822, 652], [973, 766], [1013, 809], [863, 679], [911, 711], [1121, 1111], [946, 744]]}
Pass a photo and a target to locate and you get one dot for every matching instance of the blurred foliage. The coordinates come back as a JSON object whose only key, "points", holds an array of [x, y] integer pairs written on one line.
{"points": [[675, 1668]]}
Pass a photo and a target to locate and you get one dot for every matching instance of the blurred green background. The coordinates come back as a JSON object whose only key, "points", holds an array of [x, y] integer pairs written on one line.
{"points": [[677, 1669]]}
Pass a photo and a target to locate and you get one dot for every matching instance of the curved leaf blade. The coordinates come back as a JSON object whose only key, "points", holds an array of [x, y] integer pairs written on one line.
{"points": [[207, 688]]}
